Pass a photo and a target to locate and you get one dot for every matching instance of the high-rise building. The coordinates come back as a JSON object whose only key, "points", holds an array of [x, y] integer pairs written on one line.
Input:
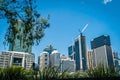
{"points": [[102, 51], [12, 58], [90, 60], [79, 52], [18, 45], [55, 59], [44, 60]]}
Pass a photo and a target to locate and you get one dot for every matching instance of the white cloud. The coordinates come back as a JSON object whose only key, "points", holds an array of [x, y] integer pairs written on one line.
{"points": [[107, 1]]}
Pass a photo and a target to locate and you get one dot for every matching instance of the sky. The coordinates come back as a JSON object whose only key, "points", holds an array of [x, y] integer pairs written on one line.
{"points": [[68, 18]]}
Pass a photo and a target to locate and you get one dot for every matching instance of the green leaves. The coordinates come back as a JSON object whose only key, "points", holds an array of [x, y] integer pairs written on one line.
{"points": [[101, 71], [13, 73], [51, 73], [32, 24]]}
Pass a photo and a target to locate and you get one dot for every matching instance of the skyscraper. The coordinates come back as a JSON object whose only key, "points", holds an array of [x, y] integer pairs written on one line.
{"points": [[55, 59], [80, 52], [44, 60], [102, 51], [18, 45]]}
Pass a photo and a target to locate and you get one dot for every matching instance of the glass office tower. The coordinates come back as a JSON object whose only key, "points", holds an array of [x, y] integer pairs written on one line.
{"points": [[102, 51], [18, 45], [80, 53]]}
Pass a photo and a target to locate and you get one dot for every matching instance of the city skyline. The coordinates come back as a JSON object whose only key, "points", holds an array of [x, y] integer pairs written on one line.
{"points": [[68, 17]]}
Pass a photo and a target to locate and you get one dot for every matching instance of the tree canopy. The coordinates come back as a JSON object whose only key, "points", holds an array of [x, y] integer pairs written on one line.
{"points": [[26, 12]]}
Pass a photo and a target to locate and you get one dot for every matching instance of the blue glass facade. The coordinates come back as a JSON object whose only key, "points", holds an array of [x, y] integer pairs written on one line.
{"points": [[18, 45], [71, 51], [79, 50], [77, 55], [100, 41], [83, 46]]}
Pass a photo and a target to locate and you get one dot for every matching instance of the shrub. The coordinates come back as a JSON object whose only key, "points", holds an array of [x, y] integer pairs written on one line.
{"points": [[13, 73], [101, 71]]}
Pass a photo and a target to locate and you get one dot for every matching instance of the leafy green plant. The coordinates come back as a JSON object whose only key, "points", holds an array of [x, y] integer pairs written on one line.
{"points": [[101, 71], [13, 73], [33, 25], [51, 73], [2, 74], [79, 74]]}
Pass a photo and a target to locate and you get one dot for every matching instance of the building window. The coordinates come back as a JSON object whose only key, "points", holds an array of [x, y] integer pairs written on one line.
{"points": [[45, 59], [45, 55], [45, 67]]}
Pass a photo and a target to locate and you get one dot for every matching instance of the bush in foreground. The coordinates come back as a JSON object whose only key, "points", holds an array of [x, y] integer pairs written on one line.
{"points": [[19, 73]]}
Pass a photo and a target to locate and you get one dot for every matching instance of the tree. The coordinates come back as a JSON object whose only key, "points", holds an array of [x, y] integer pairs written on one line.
{"points": [[26, 12]]}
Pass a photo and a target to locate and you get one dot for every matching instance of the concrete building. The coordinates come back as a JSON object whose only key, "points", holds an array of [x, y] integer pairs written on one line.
{"points": [[12, 58], [102, 51], [44, 60], [67, 64], [61, 63], [79, 53], [55, 59], [90, 60], [17, 45]]}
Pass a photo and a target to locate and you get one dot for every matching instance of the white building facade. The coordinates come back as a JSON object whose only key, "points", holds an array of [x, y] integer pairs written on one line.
{"points": [[67, 64], [12, 58], [44, 60], [55, 59], [60, 63]]}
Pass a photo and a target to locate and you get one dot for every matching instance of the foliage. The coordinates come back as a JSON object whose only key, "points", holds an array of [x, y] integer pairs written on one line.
{"points": [[13, 73], [24, 11], [19, 73], [79, 74], [51, 73], [101, 71]]}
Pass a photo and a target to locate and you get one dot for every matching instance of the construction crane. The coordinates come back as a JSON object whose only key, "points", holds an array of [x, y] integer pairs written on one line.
{"points": [[84, 28]]}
